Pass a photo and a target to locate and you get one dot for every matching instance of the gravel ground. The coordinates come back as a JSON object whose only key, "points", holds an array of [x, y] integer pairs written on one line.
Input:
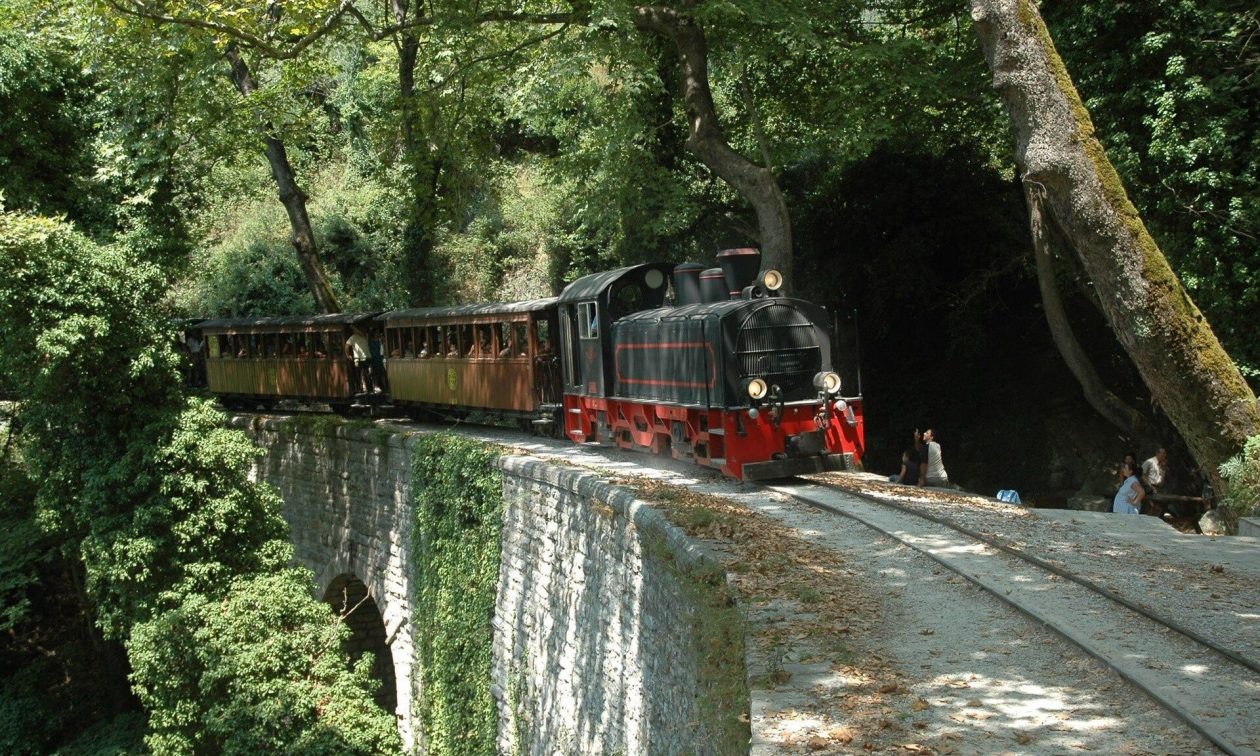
{"points": [[969, 675], [1210, 585]]}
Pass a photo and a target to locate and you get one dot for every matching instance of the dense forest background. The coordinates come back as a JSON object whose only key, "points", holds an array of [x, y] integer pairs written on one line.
{"points": [[449, 152]]}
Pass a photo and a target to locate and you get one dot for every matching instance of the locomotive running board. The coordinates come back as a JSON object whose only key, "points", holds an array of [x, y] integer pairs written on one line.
{"points": [[786, 468]]}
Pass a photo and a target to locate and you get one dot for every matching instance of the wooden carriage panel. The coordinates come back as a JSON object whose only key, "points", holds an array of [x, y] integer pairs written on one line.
{"points": [[494, 383], [299, 377]]}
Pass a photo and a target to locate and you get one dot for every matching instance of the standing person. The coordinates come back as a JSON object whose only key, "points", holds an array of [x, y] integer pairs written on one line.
{"points": [[1153, 471], [1128, 499], [1152, 475], [931, 466], [360, 354]]}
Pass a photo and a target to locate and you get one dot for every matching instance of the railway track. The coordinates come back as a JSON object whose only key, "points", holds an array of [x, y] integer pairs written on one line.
{"points": [[1211, 687]]}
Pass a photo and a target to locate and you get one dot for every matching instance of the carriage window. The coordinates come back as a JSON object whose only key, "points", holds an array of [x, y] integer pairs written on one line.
{"points": [[216, 346], [503, 339], [542, 330], [588, 321], [426, 342], [484, 346], [521, 343], [465, 340]]}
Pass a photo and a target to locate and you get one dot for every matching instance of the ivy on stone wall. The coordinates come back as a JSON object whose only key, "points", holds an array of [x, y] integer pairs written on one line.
{"points": [[458, 502]]}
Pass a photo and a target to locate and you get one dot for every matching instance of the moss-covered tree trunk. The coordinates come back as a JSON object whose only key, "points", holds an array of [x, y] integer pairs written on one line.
{"points": [[1184, 366]]}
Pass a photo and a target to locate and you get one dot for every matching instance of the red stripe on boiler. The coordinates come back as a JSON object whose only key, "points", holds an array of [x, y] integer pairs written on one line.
{"points": [[668, 345]]}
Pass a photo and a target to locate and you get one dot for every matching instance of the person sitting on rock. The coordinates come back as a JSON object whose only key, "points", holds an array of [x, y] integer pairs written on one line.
{"points": [[1128, 499], [909, 474]]}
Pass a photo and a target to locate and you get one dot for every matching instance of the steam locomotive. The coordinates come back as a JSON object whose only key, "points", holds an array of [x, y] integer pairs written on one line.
{"points": [[726, 372]]}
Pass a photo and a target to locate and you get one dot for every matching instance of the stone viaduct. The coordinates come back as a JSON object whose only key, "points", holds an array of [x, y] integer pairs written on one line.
{"points": [[595, 648]]}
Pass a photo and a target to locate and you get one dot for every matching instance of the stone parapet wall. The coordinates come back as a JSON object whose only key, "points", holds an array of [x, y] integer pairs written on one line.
{"points": [[594, 644], [595, 649]]}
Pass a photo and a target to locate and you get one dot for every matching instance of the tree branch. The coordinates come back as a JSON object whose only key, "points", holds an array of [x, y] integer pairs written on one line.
{"points": [[138, 9]]}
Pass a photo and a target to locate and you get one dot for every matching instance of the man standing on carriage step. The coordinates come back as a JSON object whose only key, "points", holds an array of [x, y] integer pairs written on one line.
{"points": [[931, 468], [360, 354]]}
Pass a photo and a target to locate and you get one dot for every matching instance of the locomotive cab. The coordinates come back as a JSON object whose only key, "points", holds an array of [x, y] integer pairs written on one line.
{"points": [[588, 308]]}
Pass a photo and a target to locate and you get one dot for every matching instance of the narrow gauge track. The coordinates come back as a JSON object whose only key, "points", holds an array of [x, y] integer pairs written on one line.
{"points": [[1213, 689]]}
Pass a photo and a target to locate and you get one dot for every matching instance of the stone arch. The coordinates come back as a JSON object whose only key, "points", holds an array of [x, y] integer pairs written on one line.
{"points": [[351, 600]]}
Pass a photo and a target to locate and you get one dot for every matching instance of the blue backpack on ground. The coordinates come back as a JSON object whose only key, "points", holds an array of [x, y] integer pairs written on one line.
{"points": [[1008, 495]]}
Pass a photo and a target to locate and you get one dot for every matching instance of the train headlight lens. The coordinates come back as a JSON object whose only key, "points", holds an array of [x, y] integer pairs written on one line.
{"points": [[827, 381], [757, 388], [772, 280]]}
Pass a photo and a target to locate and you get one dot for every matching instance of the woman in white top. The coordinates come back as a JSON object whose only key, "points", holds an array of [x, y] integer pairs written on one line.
{"points": [[1129, 498]]}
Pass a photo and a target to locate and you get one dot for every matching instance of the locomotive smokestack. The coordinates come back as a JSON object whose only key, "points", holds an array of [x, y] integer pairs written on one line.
{"points": [[713, 286], [740, 267], [687, 284]]}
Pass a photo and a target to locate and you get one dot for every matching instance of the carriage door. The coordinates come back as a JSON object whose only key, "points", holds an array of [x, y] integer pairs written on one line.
{"points": [[584, 356], [571, 351]]}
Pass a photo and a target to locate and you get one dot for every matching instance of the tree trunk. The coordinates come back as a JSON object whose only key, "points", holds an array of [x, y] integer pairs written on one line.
{"points": [[291, 196], [1113, 409], [755, 183], [424, 170], [1179, 358]]}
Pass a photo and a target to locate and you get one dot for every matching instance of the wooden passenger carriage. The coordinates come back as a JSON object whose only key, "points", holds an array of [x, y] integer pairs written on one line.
{"points": [[498, 359], [261, 360]]}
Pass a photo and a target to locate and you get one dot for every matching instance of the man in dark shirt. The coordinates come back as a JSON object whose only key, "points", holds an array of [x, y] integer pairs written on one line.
{"points": [[909, 474]]}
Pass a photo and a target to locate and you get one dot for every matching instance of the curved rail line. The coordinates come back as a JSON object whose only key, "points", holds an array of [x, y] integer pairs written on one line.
{"points": [[1197, 723]]}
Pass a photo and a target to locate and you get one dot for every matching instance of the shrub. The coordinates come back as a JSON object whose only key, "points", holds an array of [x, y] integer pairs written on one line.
{"points": [[1243, 473]]}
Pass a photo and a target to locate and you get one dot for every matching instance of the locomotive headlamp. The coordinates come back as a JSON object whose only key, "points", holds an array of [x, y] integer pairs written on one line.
{"points": [[827, 381], [756, 388], [772, 280]]}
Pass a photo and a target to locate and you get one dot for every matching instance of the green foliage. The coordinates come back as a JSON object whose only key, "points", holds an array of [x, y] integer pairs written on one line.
{"points": [[1243, 473], [251, 267], [54, 678], [257, 669], [24, 548], [199, 522], [46, 134], [1172, 87], [458, 504], [122, 735], [185, 558]]}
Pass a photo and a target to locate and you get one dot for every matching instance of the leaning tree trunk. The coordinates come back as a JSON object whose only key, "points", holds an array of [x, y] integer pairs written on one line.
{"points": [[1182, 363], [1112, 408], [754, 182], [291, 196]]}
